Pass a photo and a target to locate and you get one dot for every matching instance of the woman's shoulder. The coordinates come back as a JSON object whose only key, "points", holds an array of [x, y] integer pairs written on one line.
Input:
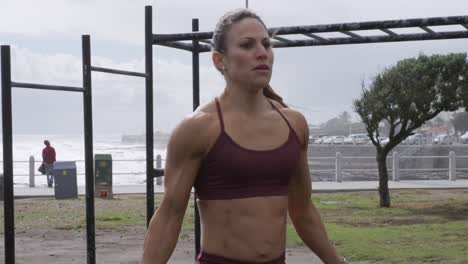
{"points": [[296, 119], [292, 114], [196, 129]]}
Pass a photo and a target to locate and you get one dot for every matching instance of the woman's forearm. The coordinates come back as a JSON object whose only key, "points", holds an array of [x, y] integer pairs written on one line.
{"points": [[310, 228], [161, 238]]}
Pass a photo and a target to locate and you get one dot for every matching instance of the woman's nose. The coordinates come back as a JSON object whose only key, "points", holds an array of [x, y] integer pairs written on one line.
{"points": [[261, 52]]}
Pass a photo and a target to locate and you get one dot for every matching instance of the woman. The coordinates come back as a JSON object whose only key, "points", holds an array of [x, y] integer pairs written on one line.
{"points": [[246, 155]]}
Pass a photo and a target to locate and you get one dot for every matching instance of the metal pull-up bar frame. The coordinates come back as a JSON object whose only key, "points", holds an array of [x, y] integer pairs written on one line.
{"points": [[7, 85], [350, 32]]}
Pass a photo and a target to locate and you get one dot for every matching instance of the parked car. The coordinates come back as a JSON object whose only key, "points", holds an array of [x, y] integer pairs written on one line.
{"points": [[416, 139], [442, 139], [334, 140], [464, 138], [356, 139], [314, 138], [320, 140]]}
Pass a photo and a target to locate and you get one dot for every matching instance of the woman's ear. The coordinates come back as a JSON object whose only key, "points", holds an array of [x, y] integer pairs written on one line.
{"points": [[217, 60]]}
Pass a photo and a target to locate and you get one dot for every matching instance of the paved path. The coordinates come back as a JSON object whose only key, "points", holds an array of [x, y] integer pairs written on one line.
{"points": [[23, 191]]}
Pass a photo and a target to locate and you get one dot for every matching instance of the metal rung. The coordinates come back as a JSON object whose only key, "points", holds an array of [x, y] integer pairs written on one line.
{"points": [[428, 30], [100, 69], [314, 36], [158, 173], [46, 87], [351, 34], [389, 32]]}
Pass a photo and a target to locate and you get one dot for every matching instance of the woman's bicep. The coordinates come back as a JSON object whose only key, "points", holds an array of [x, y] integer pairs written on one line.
{"points": [[300, 186], [182, 164]]}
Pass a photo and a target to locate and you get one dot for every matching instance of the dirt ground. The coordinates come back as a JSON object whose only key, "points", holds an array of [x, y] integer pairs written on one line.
{"points": [[112, 246], [53, 231]]}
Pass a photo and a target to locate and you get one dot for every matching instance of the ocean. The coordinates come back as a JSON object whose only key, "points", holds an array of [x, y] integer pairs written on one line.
{"points": [[128, 158]]}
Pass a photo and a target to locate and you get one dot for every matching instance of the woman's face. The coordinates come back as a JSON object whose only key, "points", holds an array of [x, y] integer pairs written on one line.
{"points": [[248, 57]]}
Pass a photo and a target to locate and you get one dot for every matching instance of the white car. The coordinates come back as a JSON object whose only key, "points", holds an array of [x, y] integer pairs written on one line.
{"points": [[320, 140], [356, 139], [464, 138], [442, 139], [334, 140]]}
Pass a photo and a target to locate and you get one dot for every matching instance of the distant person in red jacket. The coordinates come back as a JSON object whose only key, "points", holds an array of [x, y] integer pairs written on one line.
{"points": [[48, 158]]}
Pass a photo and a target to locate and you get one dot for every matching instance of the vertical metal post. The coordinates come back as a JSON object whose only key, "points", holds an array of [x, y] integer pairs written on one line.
{"points": [[31, 171], [88, 140], [338, 166], [8, 206], [452, 166], [396, 166], [149, 114], [196, 103]]}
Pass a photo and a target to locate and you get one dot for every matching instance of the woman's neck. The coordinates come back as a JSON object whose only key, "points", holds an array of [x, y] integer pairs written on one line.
{"points": [[249, 101]]}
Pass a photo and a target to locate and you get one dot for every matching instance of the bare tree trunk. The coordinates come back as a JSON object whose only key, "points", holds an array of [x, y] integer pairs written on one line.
{"points": [[383, 179]]}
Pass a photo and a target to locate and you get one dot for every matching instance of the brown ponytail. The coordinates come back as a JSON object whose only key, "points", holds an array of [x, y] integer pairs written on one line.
{"points": [[269, 93]]}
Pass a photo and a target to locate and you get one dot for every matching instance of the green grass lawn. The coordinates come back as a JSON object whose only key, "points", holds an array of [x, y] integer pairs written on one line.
{"points": [[422, 226]]}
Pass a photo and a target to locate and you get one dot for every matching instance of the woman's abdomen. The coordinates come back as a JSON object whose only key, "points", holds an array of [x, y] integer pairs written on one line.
{"points": [[251, 229]]}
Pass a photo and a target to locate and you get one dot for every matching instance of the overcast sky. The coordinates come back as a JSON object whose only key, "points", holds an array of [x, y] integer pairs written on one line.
{"points": [[45, 37]]}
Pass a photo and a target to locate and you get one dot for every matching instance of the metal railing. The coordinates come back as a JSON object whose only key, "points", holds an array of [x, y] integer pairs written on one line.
{"points": [[395, 168], [339, 166]]}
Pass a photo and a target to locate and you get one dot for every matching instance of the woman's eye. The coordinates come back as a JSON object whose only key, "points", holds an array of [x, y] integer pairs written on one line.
{"points": [[267, 44], [246, 45]]}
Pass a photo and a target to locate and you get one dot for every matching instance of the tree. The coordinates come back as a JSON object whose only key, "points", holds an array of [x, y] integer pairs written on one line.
{"points": [[405, 96], [460, 122]]}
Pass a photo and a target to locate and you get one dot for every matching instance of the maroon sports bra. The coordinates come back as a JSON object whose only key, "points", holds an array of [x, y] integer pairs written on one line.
{"points": [[230, 171]]}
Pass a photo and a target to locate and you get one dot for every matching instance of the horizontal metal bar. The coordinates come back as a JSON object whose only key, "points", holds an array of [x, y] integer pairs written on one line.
{"points": [[47, 87], [206, 41], [354, 26], [107, 70], [344, 169], [363, 40], [423, 169], [363, 157], [424, 157], [374, 39], [283, 39], [185, 46], [163, 38], [158, 173], [174, 44], [465, 26]]}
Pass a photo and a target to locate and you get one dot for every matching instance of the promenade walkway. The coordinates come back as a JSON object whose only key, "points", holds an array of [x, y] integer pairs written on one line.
{"points": [[42, 191]]}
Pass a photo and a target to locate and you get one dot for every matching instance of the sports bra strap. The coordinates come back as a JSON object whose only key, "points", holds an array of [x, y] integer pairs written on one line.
{"points": [[285, 119], [220, 114]]}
